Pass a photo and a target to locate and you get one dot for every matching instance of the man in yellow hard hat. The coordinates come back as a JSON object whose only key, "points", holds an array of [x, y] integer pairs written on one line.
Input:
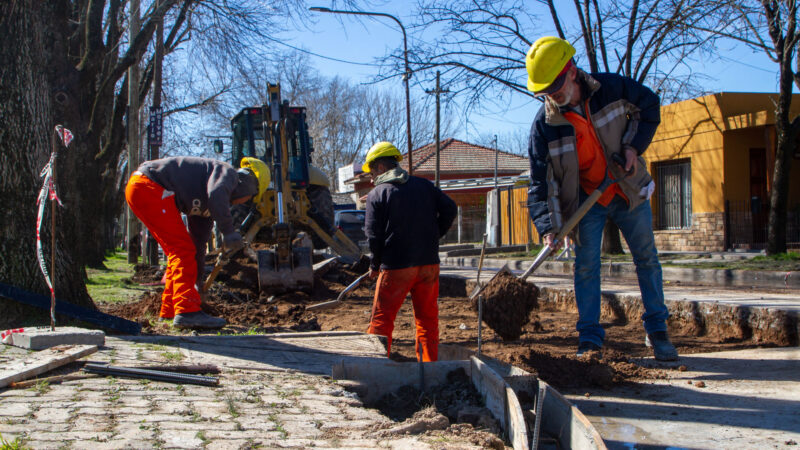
{"points": [[587, 121], [204, 190], [405, 218]]}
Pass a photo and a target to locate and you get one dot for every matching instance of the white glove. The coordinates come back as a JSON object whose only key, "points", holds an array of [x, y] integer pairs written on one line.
{"points": [[647, 191]]}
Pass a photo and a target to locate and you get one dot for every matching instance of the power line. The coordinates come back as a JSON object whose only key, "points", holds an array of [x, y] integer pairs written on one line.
{"points": [[752, 66], [317, 54]]}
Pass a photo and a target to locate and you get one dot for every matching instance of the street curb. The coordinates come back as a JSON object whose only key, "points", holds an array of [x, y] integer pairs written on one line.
{"points": [[721, 277], [764, 325]]}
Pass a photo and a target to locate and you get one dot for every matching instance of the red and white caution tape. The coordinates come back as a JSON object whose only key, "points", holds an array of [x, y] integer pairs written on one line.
{"points": [[7, 337], [48, 191]]}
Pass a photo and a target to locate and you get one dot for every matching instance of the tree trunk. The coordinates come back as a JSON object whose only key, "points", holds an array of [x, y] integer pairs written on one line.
{"points": [[784, 147], [612, 245], [27, 55]]}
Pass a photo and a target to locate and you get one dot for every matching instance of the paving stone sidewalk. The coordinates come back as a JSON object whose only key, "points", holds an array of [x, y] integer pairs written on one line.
{"points": [[263, 401]]}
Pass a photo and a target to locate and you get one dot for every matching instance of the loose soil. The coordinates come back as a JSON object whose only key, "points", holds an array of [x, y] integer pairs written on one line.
{"points": [[455, 407], [546, 344], [506, 302]]}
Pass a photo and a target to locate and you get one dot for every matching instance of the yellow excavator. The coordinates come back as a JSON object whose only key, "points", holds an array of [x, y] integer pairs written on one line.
{"points": [[295, 213]]}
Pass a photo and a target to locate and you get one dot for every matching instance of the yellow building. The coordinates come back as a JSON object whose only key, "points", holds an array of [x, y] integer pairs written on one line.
{"points": [[712, 159]]}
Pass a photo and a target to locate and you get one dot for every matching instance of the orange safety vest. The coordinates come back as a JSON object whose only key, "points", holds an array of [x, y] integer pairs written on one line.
{"points": [[591, 158]]}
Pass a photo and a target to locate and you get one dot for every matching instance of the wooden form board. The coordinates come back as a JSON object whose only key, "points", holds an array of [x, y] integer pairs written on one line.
{"points": [[502, 401], [44, 361], [562, 419]]}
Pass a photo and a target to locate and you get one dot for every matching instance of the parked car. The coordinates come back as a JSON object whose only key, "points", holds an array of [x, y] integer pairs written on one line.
{"points": [[351, 222]]}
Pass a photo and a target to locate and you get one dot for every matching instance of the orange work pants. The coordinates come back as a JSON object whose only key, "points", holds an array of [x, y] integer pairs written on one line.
{"points": [[391, 290], [156, 208]]}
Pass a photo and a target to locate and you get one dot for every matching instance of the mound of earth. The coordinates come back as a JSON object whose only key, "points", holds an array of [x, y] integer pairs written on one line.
{"points": [[454, 405], [147, 274]]}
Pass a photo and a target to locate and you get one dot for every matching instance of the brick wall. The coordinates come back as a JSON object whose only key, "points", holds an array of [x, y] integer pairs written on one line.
{"points": [[706, 234]]}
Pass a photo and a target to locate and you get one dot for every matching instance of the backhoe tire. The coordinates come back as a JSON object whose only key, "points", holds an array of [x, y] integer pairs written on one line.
{"points": [[321, 211]]}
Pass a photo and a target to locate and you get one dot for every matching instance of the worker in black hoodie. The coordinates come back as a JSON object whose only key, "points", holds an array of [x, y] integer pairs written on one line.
{"points": [[406, 216]]}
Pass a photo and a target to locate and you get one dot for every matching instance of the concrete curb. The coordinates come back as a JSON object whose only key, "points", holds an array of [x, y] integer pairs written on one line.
{"points": [[722, 277], [763, 325]]}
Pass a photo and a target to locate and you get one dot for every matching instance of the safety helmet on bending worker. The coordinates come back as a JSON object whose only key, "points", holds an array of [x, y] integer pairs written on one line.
{"points": [[548, 61], [259, 169], [381, 150]]}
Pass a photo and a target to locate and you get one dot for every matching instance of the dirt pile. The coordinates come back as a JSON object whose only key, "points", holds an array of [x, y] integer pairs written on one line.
{"points": [[454, 405], [600, 370], [147, 275], [507, 303], [235, 296]]}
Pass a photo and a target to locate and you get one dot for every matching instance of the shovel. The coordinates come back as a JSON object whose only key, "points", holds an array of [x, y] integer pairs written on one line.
{"points": [[572, 222], [342, 295]]}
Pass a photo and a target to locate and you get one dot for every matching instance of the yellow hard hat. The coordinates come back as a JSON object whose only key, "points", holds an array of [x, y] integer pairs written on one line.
{"points": [[381, 150], [546, 59], [261, 171]]}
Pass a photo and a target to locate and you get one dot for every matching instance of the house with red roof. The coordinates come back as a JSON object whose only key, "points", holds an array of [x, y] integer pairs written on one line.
{"points": [[466, 174]]}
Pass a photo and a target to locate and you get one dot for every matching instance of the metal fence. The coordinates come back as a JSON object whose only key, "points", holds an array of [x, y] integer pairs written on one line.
{"points": [[746, 224], [470, 224]]}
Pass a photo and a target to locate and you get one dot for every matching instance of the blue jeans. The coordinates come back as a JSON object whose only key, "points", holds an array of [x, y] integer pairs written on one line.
{"points": [[637, 228]]}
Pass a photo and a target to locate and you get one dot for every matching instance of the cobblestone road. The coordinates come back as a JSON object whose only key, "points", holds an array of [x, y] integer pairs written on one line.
{"points": [[273, 403]]}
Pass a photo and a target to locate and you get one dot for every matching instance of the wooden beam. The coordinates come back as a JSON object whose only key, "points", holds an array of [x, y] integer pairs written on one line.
{"points": [[43, 361]]}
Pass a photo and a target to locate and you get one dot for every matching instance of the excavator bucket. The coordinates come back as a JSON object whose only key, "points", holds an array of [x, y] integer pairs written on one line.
{"points": [[294, 274]]}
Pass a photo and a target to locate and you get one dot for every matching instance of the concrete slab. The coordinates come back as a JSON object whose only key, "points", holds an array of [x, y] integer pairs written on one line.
{"points": [[41, 338], [740, 399]]}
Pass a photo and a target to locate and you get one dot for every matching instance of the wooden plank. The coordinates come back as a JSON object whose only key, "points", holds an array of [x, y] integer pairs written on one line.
{"points": [[68, 309], [43, 361], [562, 419], [492, 389], [517, 428]]}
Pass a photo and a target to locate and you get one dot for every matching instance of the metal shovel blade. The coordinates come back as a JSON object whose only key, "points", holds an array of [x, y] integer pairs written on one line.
{"points": [[480, 287], [342, 295]]}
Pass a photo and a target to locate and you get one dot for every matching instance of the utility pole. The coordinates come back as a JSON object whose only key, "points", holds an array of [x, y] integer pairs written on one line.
{"points": [[496, 157], [155, 127], [496, 230], [437, 91], [133, 129]]}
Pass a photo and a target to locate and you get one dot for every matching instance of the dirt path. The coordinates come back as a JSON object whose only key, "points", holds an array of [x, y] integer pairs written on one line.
{"points": [[546, 345]]}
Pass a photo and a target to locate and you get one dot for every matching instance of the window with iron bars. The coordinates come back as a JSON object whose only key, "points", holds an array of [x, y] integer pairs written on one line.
{"points": [[673, 194]]}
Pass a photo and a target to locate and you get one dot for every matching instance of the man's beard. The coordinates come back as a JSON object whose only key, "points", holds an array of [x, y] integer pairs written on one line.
{"points": [[567, 96]]}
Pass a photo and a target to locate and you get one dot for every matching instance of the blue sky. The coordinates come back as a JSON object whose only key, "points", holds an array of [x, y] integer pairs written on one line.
{"points": [[361, 40]]}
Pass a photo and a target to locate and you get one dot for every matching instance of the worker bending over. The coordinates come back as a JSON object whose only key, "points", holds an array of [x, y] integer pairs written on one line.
{"points": [[406, 216], [585, 120], [203, 189]]}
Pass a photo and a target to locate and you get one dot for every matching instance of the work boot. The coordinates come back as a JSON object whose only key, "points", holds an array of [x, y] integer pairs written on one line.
{"points": [[663, 350], [586, 347], [197, 320]]}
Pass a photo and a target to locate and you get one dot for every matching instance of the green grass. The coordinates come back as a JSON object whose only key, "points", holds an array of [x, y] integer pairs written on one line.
{"points": [[41, 387], [172, 356], [782, 262], [113, 284], [16, 444]]}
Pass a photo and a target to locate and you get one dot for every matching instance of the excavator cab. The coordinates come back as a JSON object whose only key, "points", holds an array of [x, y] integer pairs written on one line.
{"points": [[249, 140]]}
